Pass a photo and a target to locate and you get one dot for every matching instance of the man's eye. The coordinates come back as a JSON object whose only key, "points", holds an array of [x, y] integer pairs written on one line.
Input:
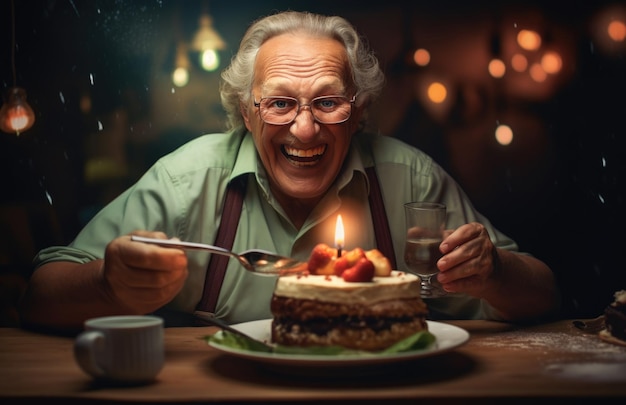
{"points": [[327, 103], [281, 104]]}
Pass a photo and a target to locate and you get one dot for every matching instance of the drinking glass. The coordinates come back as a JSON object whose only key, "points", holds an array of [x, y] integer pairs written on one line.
{"points": [[425, 225]]}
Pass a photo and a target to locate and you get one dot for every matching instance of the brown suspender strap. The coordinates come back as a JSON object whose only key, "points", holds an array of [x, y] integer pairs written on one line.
{"points": [[230, 220], [379, 218], [216, 270]]}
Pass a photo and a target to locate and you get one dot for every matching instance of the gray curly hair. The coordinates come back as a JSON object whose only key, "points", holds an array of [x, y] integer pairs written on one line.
{"points": [[236, 85]]}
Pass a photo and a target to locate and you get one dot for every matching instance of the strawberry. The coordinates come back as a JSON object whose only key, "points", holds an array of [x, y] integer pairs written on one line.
{"points": [[381, 263], [341, 264], [321, 259], [347, 260], [354, 255], [362, 271]]}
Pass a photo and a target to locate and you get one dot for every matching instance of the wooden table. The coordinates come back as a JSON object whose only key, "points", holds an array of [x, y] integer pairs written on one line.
{"points": [[500, 361]]}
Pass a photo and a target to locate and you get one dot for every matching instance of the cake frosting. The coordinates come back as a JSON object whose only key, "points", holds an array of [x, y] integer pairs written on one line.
{"points": [[330, 288]]}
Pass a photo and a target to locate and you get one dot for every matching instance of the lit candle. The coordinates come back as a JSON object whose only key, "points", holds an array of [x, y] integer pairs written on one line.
{"points": [[339, 235]]}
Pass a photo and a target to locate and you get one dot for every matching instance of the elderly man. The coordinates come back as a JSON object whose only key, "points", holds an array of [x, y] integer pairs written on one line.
{"points": [[296, 95]]}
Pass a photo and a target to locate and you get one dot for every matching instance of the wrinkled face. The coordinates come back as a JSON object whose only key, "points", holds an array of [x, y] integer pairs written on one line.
{"points": [[302, 158]]}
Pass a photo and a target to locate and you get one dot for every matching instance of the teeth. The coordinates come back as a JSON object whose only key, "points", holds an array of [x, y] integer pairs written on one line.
{"points": [[305, 153]]}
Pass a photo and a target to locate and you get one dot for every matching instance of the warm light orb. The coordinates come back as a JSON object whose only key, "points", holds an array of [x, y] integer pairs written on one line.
{"points": [[437, 92], [209, 60], [519, 62], [496, 68], [421, 57], [504, 134], [608, 28], [529, 40], [617, 31], [537, 73], [17, 119], [551, 62], [180, 77], [85, 104], [16, 116]]}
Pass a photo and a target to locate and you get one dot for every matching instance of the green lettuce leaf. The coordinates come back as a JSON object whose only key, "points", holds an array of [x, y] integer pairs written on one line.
{"points": [[418, 341], [235, 341]]}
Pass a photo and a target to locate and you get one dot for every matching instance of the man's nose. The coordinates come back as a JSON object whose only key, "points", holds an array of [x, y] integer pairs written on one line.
{"points": [[304, 125]]}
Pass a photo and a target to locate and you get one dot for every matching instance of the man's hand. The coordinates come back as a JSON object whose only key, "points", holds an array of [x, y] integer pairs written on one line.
{"points": [[141, 276], [469, 260], [471, 264]]}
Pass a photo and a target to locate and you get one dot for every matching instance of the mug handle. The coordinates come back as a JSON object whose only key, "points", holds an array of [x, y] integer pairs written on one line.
{"points": [[86, 346]]}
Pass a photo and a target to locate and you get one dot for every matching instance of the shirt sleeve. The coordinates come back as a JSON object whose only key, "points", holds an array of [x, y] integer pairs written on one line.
{"points": [[151, 204]]}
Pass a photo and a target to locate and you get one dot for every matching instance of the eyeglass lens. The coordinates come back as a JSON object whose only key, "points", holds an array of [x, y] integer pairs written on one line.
{"points": [[326, 110]]}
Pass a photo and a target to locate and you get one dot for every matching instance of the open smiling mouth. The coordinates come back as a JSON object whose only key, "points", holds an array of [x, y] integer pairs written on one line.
{"points": [[303, 157]]}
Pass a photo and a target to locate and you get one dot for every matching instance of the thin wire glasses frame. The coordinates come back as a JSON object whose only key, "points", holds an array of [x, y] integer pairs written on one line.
{"points": [[280, 110]]}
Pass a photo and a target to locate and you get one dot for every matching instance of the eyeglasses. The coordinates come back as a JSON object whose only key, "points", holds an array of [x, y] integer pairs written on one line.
{"points": [[325, 109]]}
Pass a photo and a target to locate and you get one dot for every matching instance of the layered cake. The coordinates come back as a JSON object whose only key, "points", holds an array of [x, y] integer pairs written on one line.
{"points": [[615, 320], [355, 301]]}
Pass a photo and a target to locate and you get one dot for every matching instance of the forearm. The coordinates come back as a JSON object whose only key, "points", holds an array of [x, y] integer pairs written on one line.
{"points": [[62, 295], [523, 288]]}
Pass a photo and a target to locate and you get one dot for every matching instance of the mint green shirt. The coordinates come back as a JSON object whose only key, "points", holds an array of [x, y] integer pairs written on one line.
{"points": [[182, 196]]}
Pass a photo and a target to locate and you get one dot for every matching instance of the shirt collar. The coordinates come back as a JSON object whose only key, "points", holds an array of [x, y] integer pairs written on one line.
{"points": [[356, 162], [247, 156]]}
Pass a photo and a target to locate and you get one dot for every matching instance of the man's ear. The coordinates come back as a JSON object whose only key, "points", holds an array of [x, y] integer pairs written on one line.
{"points": [[244, 114]]}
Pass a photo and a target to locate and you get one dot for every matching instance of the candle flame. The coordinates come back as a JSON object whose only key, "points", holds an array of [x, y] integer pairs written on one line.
{"points": [[339, 233]]}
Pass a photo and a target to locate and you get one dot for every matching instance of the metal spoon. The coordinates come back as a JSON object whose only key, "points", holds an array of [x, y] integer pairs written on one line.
{"points": [[256, 261]]}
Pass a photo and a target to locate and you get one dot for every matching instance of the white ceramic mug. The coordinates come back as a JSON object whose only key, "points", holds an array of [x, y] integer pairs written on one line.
{"points": [[125, 348]]}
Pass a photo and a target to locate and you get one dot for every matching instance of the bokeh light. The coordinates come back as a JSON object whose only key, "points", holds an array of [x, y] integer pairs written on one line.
{"points": [[504, 134], [537, 73], [209, 60], [496, 68], [551, 62], [421, 57], [180, 77], [519, 63], [617, 31], [529, 40], [437, 92]]}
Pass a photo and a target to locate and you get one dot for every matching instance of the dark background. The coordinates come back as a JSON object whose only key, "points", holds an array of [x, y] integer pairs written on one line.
{"points": [[97, 73]]}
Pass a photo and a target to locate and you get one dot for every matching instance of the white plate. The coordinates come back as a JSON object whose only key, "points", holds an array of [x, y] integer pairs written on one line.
{"points": [[448, 338]]}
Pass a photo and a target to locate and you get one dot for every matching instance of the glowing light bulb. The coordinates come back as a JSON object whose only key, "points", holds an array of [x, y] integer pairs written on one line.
{"points": [[16, 116], [180, 77], [210, 60]]}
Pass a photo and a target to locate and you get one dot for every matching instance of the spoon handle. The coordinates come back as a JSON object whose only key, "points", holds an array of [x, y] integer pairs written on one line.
{"points": [[208, 318], [183, 245]]}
